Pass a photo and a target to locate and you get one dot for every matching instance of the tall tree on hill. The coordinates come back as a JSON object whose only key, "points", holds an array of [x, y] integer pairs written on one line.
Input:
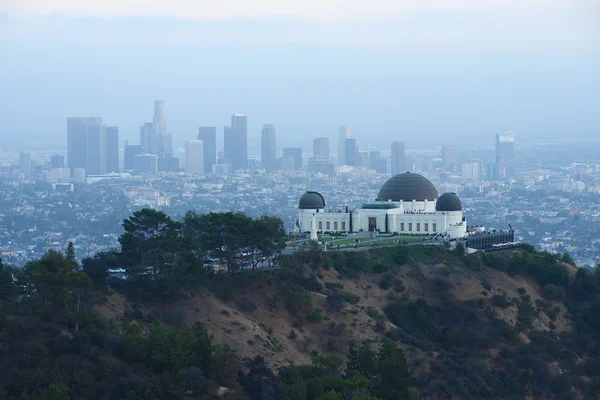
{"points": [[53, 289], [148, 235], [70, 255]]}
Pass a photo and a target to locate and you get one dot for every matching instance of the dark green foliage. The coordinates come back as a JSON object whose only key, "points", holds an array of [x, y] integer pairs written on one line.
{"points": [[500, 301], [386, 282]]}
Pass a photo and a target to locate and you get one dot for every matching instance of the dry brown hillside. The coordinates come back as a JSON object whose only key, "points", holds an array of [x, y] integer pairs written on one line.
{"points": [[267, 329]]}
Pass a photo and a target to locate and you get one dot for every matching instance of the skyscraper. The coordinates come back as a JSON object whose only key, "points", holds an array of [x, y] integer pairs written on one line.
{"points": [[159, 124], [208, 135], [25, 164], [146, 164], [148, 139], [268, 148], [505, 154], [344, 132], [57, 161], [96, 149], [194, 157], [129, 155], [236, 141], [450, 158], [398, 158], [86, 144], [470, 170], [112, 149], [294, 153], [321, 149], [351, 152]]}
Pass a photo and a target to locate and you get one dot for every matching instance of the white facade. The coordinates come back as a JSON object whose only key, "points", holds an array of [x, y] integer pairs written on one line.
{"points": [[403, 217], [194, 157]]}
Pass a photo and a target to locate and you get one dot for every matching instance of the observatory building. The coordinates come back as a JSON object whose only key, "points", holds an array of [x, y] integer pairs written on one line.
{"points": [[407, 203]]}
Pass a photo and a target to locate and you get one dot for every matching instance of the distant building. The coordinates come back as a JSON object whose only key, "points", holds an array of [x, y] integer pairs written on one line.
{"points": [[86, 144], [236, 141], [57, 161], [194, 157], [344, 132], [130, 152], [146, 164], [208, 135], [406, 204], [96, 149], [294, 153], [112, 149], [398, 158], [92, 146], [377, 163], [25, 164], [470, 171], [286, 163], [321, 149], [148, 139], [222, 169], [168, 164], [450, 158], [505, 155], [351, 152], [268, 148]]}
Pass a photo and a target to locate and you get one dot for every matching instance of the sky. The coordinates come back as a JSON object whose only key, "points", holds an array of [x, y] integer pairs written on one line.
{"points": [[441, 70]]}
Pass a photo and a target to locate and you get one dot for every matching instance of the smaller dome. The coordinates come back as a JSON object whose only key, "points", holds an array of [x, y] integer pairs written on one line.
{"points": [[311, 201], [448, 202]]}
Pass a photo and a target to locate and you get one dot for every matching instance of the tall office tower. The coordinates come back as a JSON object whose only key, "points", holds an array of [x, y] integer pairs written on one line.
{"points": [[208, 134], [470, 170], [344, 132], [505, 154], [145, 164], [112, 149], [148, 139], [398, 158], [86, 144], [96, 149], [294, 153], [159, 125], [236, 141], [450, 158], [194, 157], [57, 161], [351, 152], [130, 152], [268, 148], [25, 164], [321, 149], [77, 140]]}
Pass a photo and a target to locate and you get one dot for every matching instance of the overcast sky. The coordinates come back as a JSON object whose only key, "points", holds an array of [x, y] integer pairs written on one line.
{"points": [[393, 70]]}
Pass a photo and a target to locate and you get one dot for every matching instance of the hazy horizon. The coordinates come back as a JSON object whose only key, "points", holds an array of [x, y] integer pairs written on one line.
{"points": [[439, 71]]}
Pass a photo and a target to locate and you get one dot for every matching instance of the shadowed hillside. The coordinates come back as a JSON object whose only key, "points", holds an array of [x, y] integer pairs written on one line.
{"points": [[400, 322]]}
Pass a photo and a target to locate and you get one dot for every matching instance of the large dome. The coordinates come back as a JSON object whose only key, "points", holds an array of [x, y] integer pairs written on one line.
{"points": [[408, 187], [311, 201], [448, 202]]}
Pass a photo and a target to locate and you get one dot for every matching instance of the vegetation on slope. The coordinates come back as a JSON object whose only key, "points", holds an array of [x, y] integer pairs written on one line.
{"points": [[465, 333]]}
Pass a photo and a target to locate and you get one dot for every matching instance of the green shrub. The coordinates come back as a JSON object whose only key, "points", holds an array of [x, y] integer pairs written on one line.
{"points": [[386, 282], [316, 316]]}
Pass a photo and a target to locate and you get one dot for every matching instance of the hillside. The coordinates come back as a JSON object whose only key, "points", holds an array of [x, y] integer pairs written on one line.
{"points": [[451, 314], [393, 323]]}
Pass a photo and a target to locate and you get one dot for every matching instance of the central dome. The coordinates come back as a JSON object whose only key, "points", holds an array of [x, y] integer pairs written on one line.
{"points": [[311, 201], [408, 187]]}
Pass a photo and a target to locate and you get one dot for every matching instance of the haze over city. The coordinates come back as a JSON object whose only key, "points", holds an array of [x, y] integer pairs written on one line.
{"points": [[392, 71]]}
